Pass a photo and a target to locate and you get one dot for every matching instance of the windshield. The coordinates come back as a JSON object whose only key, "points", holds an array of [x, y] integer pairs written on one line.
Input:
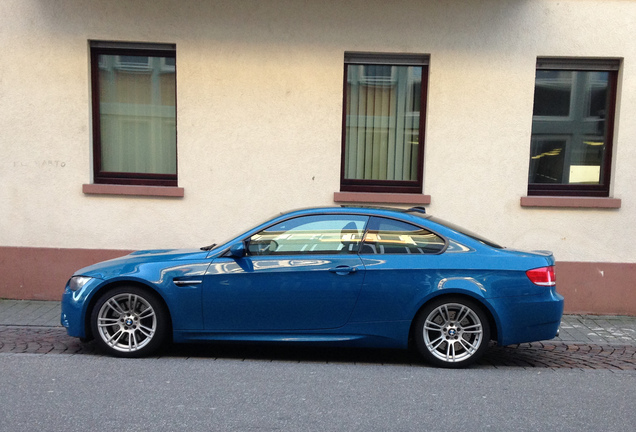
{"points": [[461, 230]]}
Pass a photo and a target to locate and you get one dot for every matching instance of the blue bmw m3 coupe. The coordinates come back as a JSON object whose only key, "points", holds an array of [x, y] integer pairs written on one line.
{"points": [[348, 276]]}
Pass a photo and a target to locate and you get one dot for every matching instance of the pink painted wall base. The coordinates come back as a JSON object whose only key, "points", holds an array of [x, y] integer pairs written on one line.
{"points": [[597, 288], [42, 273]]}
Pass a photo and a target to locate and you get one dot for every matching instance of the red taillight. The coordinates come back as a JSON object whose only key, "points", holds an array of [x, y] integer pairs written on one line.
{"points": [[543, 276]]}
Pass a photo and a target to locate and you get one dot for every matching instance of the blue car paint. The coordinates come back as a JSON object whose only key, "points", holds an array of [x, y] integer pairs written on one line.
{"points": [[278, 293], [153, 269], [381, 299]]}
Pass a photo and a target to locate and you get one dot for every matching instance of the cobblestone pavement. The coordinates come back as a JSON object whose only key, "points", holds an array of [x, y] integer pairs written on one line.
{"points": [[585, 342]]}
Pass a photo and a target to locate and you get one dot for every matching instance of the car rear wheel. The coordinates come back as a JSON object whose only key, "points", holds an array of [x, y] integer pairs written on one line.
{"points": [[129, 322], [452, 332]]}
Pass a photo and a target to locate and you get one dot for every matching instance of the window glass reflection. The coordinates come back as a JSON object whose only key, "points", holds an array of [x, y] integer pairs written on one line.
{"points": [[547, 157], [387, 236], [310, 235], [552, 93], [569, 127]]}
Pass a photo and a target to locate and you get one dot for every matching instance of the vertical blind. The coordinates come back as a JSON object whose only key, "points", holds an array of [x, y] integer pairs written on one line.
{"points": [[382, 122], [137, 114]]}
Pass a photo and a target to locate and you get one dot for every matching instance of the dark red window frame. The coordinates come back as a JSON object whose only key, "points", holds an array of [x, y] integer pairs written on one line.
{"points": [[123, 49], [600, 190], [384, 186]]}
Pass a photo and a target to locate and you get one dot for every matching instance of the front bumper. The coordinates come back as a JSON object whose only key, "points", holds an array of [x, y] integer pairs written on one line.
{"points": [[74, 307]]}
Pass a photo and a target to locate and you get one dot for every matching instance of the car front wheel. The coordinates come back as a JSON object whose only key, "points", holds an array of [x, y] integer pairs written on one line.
{"points": [[452, 332], [129, 322]]}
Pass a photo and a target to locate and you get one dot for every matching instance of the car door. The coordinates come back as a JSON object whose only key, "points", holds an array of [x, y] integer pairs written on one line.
{"points": [[401, 262], [300, 274]]}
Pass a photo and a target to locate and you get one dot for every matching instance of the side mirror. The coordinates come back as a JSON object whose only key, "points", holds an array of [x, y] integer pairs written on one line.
{"points": [[237, 250]]}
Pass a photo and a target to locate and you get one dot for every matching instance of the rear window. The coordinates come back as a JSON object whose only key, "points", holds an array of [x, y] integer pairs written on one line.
{"points": [[460, 230], [388, 236]]}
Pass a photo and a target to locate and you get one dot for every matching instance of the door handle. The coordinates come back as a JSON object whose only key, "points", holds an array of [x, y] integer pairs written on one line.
{"points": [[186, 282], [343, 270]]}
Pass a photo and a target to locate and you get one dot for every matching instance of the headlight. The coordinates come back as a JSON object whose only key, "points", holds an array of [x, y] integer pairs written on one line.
{"points": [[78, 282]]}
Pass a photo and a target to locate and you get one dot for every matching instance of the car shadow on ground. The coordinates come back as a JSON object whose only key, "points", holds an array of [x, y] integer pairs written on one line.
{"points": [[292, 353], [550, 355]]}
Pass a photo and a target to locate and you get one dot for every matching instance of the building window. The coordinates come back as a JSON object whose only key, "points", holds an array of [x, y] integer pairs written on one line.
{"points": [[572, 127], [134, 113], [383, 123]]}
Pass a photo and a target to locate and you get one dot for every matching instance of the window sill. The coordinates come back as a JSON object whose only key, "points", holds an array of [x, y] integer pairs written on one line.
{"points": [[380, 198], [570, 202], [151, 191]]}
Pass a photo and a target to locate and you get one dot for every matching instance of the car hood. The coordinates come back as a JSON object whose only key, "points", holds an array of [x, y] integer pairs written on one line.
{"points": [[131, 263]]}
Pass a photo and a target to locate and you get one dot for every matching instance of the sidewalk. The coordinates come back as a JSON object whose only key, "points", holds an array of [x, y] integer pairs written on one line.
{"points": [[575, 329], [30, 313]]}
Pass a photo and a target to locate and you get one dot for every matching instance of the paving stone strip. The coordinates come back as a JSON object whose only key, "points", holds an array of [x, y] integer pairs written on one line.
{"points": [[585, 342], [539, 355]]}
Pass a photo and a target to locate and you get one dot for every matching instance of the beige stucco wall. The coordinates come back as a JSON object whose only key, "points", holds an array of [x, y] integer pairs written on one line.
{"points": [[259, 106]]}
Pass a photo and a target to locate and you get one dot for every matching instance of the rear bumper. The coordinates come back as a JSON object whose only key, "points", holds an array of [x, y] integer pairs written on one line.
{"points": [[528, 318]]}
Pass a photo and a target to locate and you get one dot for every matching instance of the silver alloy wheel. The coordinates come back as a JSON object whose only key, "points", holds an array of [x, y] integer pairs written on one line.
{"points": [[126, 322], [453, 332]]}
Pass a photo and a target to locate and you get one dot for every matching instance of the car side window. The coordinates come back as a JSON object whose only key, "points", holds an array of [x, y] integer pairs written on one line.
{"points": [[317, 234], [388, 236]]}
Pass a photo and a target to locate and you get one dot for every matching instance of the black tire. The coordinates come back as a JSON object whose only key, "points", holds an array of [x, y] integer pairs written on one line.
{"points": [[444, 341], [129, 321]]}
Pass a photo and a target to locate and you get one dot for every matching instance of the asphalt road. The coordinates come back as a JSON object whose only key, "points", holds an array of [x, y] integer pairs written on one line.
{"points": [[582, 381], [93, 393]]}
